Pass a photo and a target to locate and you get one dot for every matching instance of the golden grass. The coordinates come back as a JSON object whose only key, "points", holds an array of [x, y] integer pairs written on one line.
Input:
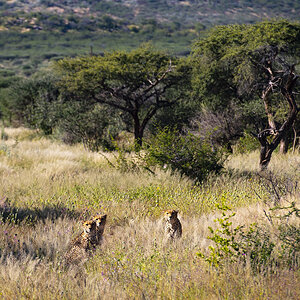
{"points": [[287, 164], [47, 188]]}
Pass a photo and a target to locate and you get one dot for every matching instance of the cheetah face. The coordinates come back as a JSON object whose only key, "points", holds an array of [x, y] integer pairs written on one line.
{"points": [[89, 226], [100, 220], [171, 215]]}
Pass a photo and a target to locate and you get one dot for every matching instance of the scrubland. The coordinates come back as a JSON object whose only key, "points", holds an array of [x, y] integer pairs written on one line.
{"points": [[48, 188]]}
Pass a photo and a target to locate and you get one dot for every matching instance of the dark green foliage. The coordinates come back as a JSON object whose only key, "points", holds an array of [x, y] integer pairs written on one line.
{"points": [[231, 65], [94, 126], [227, 63], [188, 154], [176, 116], [7, 78], [35, 102], [38, 103]]}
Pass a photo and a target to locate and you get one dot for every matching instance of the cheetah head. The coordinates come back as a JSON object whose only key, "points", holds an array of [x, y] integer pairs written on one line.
{"points": [[89, 226], [170, 215], [100, 220]]}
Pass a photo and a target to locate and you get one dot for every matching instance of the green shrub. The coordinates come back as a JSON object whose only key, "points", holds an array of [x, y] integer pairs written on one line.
{"points": [[289, 235], [34, 102], [256, 245], [235, 244], [225, 238], [247, 143], [188, 154]]}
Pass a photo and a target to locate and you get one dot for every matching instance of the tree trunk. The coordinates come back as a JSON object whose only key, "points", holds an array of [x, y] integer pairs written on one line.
{"points": [[284, 145], [138, 131], [267, 147], [140, 125], [270, 115], [295, 139]]}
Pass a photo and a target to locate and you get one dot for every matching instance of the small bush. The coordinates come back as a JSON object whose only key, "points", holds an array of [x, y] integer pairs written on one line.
{"points": [[256, 245], [289, 235], [247, 143], [226, 244], [235, 244], [190, 155]]}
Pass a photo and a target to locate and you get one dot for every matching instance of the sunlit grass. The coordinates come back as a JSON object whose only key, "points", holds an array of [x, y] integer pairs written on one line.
{"points": [[288, 164], [47, 188]]}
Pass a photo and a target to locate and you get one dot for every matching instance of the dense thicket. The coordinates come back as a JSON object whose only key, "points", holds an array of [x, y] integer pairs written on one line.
{"points": [[240, 80]]}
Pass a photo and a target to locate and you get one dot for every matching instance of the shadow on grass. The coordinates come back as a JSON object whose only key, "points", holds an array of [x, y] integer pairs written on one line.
{"points": [[9, 214], [233, 173]]}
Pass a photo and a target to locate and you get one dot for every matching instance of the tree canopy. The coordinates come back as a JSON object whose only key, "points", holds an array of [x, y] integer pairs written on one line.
{"points": [[138, 83], [242, 62], [225, 61]]}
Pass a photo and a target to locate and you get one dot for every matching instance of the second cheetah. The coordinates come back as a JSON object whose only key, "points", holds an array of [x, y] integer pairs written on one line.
{"points": [[173, 228], [100, 224]]}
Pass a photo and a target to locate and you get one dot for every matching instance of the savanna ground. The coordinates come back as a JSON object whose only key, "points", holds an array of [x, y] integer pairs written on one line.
{"points": [[47, 188]]}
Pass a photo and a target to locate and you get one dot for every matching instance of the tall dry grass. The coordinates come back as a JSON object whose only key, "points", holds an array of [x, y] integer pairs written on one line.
{"points": [[46, 188]]}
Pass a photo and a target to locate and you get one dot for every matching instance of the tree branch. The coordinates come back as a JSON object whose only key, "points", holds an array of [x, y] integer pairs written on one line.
{"points": [[158, 80]]}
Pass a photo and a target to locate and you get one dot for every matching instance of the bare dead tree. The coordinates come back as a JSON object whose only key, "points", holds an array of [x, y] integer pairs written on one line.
{"points": [[279, 77]]}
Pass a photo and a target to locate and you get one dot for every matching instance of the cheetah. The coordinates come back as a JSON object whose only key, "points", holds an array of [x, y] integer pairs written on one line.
{"points": [[100, 224], [81, 245], [173, 228]]}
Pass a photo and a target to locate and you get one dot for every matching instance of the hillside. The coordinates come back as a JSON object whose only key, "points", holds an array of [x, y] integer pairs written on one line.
{"points": [[136, 11], [32, 33]]}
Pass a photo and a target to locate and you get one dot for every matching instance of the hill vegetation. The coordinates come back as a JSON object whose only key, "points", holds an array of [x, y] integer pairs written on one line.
{"points": [[40, 14], [34, 32]]}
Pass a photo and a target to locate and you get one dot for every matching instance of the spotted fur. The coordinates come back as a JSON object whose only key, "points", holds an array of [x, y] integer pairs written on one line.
{"points": [[173, 228], [81, 245]]}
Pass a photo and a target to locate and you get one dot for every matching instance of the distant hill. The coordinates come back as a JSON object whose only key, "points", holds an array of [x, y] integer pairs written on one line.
{"points": [[113, 14], [34, 32]]}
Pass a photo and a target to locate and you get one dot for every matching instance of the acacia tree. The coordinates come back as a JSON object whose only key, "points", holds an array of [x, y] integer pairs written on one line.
{"points": [[243, 62], [138, 83]]}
